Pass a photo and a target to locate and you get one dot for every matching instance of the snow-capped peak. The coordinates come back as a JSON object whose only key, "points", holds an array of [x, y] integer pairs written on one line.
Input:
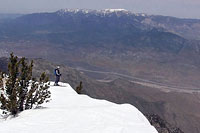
{"points": [[116, 10], [86, 11], [100, 12], [75, 10]]}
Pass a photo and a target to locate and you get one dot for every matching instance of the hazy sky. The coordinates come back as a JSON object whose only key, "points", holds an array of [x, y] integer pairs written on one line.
{"points": [[179, 8]]}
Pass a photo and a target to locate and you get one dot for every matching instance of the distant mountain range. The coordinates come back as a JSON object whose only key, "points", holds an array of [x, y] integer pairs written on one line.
{"points": [[138, 44], [155, 52]]}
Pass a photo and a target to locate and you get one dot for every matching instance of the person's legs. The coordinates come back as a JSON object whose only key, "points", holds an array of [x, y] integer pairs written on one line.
{"points": [[57, 80]]}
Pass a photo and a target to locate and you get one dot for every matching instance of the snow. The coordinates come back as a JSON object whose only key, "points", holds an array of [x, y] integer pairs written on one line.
{"points": [[100, 12], [96, 12], [74, 11], [69, 112], [90, 10], [116, 10]]}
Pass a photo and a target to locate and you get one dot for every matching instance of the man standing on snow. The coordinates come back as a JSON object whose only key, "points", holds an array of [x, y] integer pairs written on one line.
{"points": [[57, 74]]}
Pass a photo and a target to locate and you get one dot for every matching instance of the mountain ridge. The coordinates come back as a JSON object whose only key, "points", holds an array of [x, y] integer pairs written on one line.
{"points": [[80, 113]]}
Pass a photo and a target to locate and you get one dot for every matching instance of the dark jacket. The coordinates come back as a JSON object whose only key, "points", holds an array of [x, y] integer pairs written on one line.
{"points": [[57, 72]]}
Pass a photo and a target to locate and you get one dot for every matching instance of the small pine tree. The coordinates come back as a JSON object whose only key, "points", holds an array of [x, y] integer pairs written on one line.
{"points": [[79, 88], [17, 95], [42, 94], [24, 78], [8, 98], [13, 69]]}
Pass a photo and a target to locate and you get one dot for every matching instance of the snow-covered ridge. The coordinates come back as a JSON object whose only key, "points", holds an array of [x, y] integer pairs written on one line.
{"points": [[69, 112], [74, 10], [99, 12], [90, 10], [115, 10]]}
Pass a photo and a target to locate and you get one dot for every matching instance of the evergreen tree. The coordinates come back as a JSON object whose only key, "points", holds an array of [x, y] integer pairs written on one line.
{"points": [[42, 94], [21, 90], [13, 69], [24, 78], [79, 88], [9, 97]]}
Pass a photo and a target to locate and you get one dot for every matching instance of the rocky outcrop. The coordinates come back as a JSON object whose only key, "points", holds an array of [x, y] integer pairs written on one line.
{"points": [[161, 125]]}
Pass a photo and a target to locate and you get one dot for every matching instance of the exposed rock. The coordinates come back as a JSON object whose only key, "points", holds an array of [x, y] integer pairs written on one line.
{"points": [[161, 125]]}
